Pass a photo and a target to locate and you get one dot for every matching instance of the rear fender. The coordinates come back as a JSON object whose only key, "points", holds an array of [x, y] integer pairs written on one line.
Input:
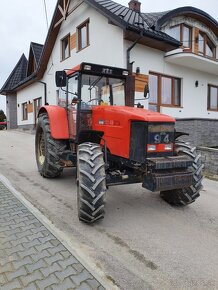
{"points": [[58, 121]]}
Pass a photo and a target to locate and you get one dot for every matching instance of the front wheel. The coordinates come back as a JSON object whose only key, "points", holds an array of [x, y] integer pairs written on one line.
{"points": [[47, 149], [91, 182], [184, 196]]}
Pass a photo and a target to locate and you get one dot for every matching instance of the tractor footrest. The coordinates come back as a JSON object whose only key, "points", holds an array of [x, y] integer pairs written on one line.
{"points": [[169, 181], [170, 162]]}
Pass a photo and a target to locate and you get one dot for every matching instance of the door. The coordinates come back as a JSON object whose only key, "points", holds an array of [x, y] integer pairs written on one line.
{"points": [[37, 106]]}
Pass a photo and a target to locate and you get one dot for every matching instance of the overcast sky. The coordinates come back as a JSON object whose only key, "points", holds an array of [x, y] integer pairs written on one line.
{"points": [[24, 21]]}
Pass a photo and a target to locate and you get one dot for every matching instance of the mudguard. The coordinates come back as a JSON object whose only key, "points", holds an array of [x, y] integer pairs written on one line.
{"points": [[58, 121]]}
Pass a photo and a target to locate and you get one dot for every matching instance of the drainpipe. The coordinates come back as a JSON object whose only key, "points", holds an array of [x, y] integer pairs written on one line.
{"points": [[129, 64], [45, 91]]}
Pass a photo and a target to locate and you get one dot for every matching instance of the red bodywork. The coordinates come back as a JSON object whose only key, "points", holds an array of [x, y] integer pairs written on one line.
{"points": [[3, 123], [114, 121], [58, 121]]}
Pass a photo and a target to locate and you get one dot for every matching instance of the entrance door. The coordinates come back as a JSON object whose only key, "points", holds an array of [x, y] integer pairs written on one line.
{"points": [[37, 106]]}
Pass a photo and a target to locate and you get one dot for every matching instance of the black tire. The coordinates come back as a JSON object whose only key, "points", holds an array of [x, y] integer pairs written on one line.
{"points": [[47, 149], [184, 196], [91, 182]]}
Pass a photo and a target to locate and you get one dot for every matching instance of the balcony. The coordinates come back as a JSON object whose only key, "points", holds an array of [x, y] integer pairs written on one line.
{"points": [[193, 61]]}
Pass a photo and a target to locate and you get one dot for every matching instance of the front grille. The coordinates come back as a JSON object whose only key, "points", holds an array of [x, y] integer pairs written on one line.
{"points": [[160, 134]]}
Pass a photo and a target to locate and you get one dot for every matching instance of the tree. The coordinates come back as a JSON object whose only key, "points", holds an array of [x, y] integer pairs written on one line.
{"points": [[2, 116]]}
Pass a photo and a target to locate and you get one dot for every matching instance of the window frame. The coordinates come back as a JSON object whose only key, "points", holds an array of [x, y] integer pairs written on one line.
{"points": [[159, 91], [190, 36], [206, 39], [209, 98], [24, 111], [62, 47], [181, 29], [79, 39]]}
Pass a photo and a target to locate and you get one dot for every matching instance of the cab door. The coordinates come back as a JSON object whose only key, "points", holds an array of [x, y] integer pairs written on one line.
{"points": [[72, 105]]}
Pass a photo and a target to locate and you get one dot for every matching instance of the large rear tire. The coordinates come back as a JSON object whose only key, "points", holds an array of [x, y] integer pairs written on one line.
{"points": [[185, 196], [47, 149], [91, 182]]}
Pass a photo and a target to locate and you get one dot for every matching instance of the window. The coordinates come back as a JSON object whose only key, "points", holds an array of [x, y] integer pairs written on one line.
{"points": [[24, 111], [83, 35], [164, 91], [206, 46], [182, 33], [65, 47], [102, 90], [212, 98]]}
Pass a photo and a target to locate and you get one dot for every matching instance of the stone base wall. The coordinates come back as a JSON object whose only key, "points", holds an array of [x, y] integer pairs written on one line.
{"points": [[26, 127], [11, 111], [202, 132], [209, 158]]}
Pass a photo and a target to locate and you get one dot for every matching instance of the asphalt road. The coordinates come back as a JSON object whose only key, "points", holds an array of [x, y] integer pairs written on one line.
{"points": [[143, 243]]}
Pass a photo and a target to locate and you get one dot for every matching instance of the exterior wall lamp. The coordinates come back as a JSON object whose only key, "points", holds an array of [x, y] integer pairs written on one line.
{"points": [[138, 70], [196, 84]]}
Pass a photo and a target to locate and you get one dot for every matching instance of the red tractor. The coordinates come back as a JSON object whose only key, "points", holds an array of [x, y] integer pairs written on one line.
{"points": [[97, 129]]}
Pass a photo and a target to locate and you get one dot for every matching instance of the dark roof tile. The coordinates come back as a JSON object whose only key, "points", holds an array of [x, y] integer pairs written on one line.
{"points": [[18, 74], [37, 51], [130, 19]]}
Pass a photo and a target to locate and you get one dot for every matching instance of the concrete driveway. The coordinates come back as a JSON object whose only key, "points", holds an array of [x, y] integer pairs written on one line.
{"points": [[143, 243]]}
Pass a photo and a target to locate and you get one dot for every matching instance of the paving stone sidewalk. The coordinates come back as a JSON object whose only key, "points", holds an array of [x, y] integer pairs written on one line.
{"points": [[31, 257]]}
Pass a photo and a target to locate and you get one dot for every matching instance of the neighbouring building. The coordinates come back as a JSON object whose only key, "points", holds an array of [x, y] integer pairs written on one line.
{"points": [[175, 52]]}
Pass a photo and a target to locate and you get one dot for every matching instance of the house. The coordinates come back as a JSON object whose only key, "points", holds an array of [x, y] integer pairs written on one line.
{"points": [[175, 52]]}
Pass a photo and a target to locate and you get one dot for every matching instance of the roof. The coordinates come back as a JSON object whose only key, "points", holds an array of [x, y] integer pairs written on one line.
{"points": [[159, 18], [130, 19], [37, 51], [17, 75]]}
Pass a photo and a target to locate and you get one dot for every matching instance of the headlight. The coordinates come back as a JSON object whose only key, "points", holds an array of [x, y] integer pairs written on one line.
{"points": [[168, 147], [152, 148]]}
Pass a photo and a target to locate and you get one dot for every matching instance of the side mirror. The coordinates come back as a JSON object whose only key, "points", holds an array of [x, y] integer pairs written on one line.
{"points": [[146, 91], [61, 79]]}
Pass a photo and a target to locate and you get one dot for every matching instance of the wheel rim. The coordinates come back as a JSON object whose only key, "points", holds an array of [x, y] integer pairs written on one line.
{"points": [[41, 148]]}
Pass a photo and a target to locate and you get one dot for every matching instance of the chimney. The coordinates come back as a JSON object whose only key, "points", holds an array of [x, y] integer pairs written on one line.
{"points": [[135, 5]]}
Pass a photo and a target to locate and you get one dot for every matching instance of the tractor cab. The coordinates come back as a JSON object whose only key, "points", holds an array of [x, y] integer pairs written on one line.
{"points": [[89, 85]]}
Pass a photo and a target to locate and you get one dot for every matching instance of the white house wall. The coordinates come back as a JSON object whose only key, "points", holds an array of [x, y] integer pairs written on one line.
{"points": [[194, 100], [27, 94]]}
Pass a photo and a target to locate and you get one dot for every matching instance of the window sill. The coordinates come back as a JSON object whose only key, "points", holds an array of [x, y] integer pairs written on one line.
{"points": [[171, 106], [78, 50], [65, 58], [212, 110]]}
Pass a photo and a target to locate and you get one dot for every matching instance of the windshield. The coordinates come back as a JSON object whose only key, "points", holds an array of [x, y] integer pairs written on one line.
{"points": [[101, 90]]}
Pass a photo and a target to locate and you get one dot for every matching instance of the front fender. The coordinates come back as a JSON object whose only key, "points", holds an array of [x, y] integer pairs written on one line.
{"points": [[58, 121]]}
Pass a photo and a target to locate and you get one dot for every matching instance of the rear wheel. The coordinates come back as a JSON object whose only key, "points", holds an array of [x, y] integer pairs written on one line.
{"points": [[184, 196], [48, 149], [91, 182]]}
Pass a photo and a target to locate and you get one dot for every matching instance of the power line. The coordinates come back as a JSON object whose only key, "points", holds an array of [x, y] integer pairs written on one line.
{"points": [[46, 13]]}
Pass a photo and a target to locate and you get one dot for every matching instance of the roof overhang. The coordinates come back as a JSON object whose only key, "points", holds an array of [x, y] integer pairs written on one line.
{"points": [[193, 13], [193, 61], [150, 42]]}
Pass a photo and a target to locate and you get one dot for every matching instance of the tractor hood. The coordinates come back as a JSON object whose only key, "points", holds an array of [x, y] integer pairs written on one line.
{"points": [[130, 113]]}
